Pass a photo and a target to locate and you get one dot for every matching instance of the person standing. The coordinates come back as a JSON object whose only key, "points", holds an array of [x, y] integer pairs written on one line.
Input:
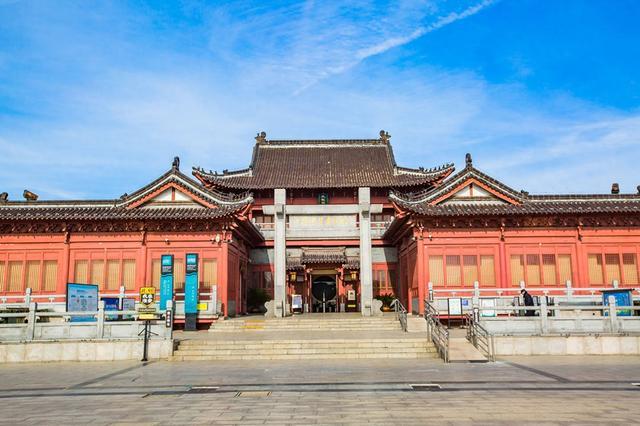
{"points": [[528, 301]]}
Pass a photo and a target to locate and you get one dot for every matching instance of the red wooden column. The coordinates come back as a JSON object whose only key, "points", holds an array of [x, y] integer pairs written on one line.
{"points": [[502, 259], [64, 278], [223, 276], [580, 277], [420, 261]]}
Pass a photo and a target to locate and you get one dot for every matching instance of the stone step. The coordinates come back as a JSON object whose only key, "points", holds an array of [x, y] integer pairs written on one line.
{"points": [[300, 344], [177, 357], [305, 351]]}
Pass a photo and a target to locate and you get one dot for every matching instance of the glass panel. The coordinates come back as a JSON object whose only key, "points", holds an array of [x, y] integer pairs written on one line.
{"points": [[436, 270], [533, 269], [487, 271], [267, 281], [155, 273], [453, 270], [2, 275], [50, 276], [470, 269], [517, 269], [594, 262], [33, 275], [81, 272], [564, 268], [392, 281], [378, 281], [178, 275], [15, 276], [97, 273], [612, 265], [129, 274], [630, 268], [549, 269]]}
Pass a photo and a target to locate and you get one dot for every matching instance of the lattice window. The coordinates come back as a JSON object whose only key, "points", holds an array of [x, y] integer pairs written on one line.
{"points": [[594, 263], [436, 270], [16, 282], [50, 275], [97, 273], [487, 270], [469, 269], [3, 271], [33, 275], [81, 274], [209, 274], [630, 268], [612, 267], [129, 274], [453, 270], [155, 273], [517, 269]]}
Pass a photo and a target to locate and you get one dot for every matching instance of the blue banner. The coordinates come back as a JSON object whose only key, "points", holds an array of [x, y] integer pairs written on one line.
{"points": [[166, 280], [191, 284]]}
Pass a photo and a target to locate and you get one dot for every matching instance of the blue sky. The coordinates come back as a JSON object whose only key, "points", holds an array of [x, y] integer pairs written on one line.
{"points": [[97, 97]]}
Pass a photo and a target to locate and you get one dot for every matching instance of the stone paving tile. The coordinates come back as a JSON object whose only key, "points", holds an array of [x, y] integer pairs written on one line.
{"points": [[488, 406]]}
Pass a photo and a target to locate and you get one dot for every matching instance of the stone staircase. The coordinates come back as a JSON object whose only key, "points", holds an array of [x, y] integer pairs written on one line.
{"points": [[322, 337], [327, 322]]}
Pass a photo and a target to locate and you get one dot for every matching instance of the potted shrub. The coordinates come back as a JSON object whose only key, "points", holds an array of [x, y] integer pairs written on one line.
{"points": [[386, 300]]}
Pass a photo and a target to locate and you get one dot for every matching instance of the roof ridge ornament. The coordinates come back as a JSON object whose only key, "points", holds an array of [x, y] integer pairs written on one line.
{"points": [[468, 161], [176, 163], [4, 197], [30, 196], [261, 137], [384, 136]]}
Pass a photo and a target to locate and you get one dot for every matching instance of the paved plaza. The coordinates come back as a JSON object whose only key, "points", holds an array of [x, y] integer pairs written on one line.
{"points": [[533, 390]]}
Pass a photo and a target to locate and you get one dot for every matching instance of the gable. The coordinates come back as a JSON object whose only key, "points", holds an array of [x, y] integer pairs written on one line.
{"points": [[170, 194], [473, 191]]}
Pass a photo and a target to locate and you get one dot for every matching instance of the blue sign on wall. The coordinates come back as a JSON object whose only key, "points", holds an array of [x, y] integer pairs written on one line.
{"points": [[166, 280], [82, 298], [191, 284], [111, 304], [623, 298]]}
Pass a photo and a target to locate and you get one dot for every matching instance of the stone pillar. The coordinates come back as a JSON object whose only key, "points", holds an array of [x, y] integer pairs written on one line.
{"points": [[366, 284], [280, 253]]}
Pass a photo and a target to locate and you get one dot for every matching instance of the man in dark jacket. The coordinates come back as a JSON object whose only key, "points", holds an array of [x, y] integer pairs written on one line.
{"points": [[528, 301]]}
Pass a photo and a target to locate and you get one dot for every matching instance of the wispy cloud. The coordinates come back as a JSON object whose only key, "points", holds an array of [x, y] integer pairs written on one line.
{"points": [[379, 48]]}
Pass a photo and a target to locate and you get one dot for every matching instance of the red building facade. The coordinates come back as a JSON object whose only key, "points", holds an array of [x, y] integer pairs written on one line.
{"points": [[330, 223]]}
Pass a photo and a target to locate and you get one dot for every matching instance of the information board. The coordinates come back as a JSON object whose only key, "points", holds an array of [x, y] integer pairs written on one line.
{"points": [[82, 298], [487, 303], [191, 284], [622, 296], [166, 280], [128, 304], [454, 306]]}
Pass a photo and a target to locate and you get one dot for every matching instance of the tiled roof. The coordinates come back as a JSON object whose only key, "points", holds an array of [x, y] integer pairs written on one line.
{"points": [[87, 212], [323, 164], [426, 202], [530, 206], [323, 255], [127, 207]]}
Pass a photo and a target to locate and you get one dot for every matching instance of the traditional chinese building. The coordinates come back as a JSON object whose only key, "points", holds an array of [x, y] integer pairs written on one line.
{"points": [[327, 224]]}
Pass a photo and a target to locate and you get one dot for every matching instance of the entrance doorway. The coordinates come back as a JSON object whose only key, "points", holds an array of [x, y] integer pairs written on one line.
{"points": [[324, 293]]}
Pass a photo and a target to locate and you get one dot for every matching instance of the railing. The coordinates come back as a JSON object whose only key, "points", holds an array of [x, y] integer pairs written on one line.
{"points": [[401, 313], [437, 332], [41, 325], [563, 320], [480, 337]]}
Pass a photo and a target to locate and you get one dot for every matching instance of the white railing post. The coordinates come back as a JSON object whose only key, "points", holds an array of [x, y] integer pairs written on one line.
{"points": [[569, 289], [544, 323], [476, 312], [31, 321], [476, 293], [100, 323], [214, 298], [27, 296], [613, 315], [615, 283], [121, 296], [522, 285], [430, 287]]}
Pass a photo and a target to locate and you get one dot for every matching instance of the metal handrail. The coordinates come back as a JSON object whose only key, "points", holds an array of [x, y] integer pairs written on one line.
{"points": [[438, 333], [480, 337], [401, 313]]}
